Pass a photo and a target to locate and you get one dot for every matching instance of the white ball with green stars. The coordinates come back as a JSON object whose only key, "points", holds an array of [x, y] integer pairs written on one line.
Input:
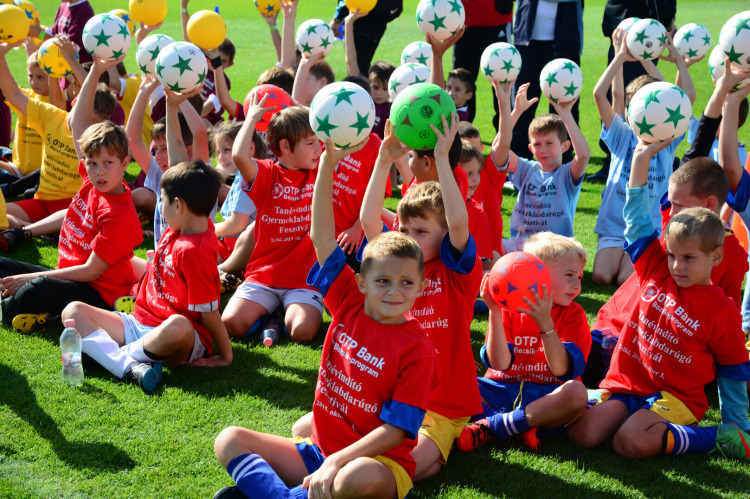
{"points": [[561, 80], [181, 67], [500, 62], [419, 52], [314, 36], [716, 63], [659, 111], [343, 112], [693, 41], [734, 40], [149, 50], [106, 36], [406, 75], [646, 39], [440, 18], [626, 23]]}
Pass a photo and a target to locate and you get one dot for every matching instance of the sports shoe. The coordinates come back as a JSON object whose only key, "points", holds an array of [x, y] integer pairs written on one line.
{"points": [[229, 282], [28, 323], [231, 492], [11, 238], [530, 439], [125, 304], [473, 435], [143, 375], [732, 442]]}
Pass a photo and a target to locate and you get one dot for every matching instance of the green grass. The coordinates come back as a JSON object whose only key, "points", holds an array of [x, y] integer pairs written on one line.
{"points": [[108, 439]]}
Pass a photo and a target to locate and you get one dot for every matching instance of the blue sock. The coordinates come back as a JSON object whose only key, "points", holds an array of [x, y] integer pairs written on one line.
{"points": [[507, 424], [693, 439], [298, 492], [255, 478], [487, 413]]}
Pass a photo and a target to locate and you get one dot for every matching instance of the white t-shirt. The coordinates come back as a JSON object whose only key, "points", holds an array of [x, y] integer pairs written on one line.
{"points": [[544, 24]]}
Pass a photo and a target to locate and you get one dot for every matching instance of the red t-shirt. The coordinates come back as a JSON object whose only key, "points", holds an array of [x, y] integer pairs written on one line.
{"points": [[674, 337], [484, 13], [459, 174], [489, 194], [479, 227], [530, 363], [445, 310], [364, 365], [183, 280], [283, 250], [108, 225]]}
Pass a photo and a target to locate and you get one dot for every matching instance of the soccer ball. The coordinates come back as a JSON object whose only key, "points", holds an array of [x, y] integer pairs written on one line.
{"points": [[125, 16], [313, 37], [626, 23], [148, 12], [514, 276], [364, 6], [561, 80], [277, 98], [52, 61], [181, 67], [716, 67], [32, 14], [106, 36], [646, 39], [659, 111], [343, 112], [415, 109], [268, 8], [693, 40], [149, 50], [501, 62], [13, 24], [405, 75], [734, 40], [440, 18], [419, 52], [206, 29]]}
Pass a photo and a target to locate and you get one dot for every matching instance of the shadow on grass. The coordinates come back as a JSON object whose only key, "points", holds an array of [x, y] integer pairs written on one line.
{"points": [[95, 456]]}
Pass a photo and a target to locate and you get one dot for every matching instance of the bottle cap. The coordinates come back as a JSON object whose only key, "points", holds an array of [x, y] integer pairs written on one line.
{"points": [[150, 253], [70, 323], [607, 331]]}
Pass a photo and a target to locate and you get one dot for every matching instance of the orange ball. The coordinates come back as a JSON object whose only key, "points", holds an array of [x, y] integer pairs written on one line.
{"points": [[514, 276], [364, 6], [206, 29], [148, 12]]}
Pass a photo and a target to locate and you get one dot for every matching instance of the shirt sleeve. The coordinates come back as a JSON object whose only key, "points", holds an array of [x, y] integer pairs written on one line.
{"points": [[404, 416], [617, 135], [335, 281], [201, 274], [459, 263], [639, 229], [118, 233], [738, 200]]}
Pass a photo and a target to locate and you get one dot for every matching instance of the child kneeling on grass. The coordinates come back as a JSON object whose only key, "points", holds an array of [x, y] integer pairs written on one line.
{"points": [[176, 317], [536, 354], [366, 413]]}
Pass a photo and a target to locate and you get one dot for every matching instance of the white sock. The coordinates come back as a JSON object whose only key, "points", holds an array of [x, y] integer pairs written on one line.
{"points": [[103, 349], [135, 350]]}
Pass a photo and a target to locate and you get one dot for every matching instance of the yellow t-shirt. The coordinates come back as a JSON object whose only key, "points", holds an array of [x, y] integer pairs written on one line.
{"points": [[3, 213], [59, 178], [27, 146], [132, 84]]}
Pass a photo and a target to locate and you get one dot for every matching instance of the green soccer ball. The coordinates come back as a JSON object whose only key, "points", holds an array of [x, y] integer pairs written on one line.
{"points": [[415, 109]]}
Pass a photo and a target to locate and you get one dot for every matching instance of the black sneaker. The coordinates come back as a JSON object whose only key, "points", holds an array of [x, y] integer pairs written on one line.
{"points": [[143, 375], [231, 492]]}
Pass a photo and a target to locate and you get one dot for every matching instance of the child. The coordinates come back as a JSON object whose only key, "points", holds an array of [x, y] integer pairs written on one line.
{"points": [[98, 233], [312, 75], [435, 215], [548, 190], [479, 225], [176, 318], [683, 325], [534, 355], [360, 445], [461, 87]]}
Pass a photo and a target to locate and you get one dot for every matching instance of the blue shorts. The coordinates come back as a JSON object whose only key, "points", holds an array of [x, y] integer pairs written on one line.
{"points": [[505, 397], [662, 403]]}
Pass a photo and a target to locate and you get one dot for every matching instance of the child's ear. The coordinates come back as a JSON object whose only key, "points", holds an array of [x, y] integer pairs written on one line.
{"points": [[125, 163], [189, 150], [565, 146], [717, 256], [360, 282], [284, 146], [469, 95], [711, 203], [429, 162], [423, 285]]}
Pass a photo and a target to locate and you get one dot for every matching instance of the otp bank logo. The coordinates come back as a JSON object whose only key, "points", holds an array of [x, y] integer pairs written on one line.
{"points": [[277, 191], [650, 292]]}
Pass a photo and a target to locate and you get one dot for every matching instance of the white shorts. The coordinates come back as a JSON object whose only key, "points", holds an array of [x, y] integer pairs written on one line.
{"points": [[270, 298], [134, 330], [610, 242]]}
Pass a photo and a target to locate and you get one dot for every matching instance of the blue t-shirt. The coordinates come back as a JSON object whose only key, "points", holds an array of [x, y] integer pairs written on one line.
{"points": [[621, 142], [238, 201], [714, 154], [546, 200]]}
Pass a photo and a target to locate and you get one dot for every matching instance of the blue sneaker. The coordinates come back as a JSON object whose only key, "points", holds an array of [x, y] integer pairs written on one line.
{"points": [[143, 375]]}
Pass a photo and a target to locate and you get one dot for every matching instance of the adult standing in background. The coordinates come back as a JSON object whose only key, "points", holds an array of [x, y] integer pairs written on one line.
{"points": [[543, 30]]}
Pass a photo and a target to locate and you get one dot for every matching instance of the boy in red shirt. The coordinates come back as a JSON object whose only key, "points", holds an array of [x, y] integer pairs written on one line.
{"points": [[99, 229], [536, 354], [668, 351], [176, 317], [376, 371]]}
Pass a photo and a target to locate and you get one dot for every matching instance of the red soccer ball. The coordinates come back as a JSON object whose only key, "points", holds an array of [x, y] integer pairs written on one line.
{"points": [[277, 98], [514, 276]]}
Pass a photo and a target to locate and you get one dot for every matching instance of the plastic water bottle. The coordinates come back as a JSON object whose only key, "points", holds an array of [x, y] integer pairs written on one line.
{"points": [[70, 346], [609, 342], [271, 331], [150, 254]]}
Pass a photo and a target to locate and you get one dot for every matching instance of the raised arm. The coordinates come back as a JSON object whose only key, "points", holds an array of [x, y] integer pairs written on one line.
{"points": [[729, 157], [8, 85], [222, 92], [275, 36], [501, 152], [241, 150], [68, 49], [138, 149], [197, 126], [184, 18], [453, 201], [288, 42], [497, 351], [683, 79], [303, 70], [606, 113], [439, 48], [143, 31], [580, 146], [176, 149], [350, 50], [522, 103]]}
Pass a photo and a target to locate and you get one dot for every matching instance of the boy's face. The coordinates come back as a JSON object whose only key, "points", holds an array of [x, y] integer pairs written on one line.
{"points": [[427, 232], [170, 210], [379, 90], [105, 170], [224, 145], [160, 152], [305, 156], [475, 141], [420, 168], [472, 168], [548, 149], [225, 62], [38, 80], [688, 264], [565, 279], [681, 198], [312, 86], [391, 286], [458, 92]]}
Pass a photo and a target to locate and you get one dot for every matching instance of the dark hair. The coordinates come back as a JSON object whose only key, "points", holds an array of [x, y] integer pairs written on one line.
{"points": [[121, 69], [104, 78], [228, 49], [197, 102], [160, 130], [359, 80], [322, 69], [705, 177], [105, 101], [292, 124], [231, 129], [381, 70], [466, 77], [281, 77], [743, 112], [454, 155], [196, 183], [470, 152], [466, 130]]}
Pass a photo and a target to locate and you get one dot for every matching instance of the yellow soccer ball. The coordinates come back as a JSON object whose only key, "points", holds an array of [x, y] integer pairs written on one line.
{"points": [[148, 12], [364, 6], [268, 8], [125, 16], [52, 61], [13, 24], [32, 14], [206, 29]]}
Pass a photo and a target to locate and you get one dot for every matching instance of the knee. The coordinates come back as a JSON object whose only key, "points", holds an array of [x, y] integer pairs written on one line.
{"points": [[179, 329], [234, 325], [601, 277], [72, 311], [302, 330], [574, 395], [629, 445], [224, 443], [362, 477], [622, 277], [428, 472], [582, 436]]}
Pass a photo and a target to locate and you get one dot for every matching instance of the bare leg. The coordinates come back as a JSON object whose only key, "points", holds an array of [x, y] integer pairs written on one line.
{"points": [[237, 261], [598, 424], [606, 265], [302, 321], [641, 435], [427, 456], [559, 407], [240, 314]]}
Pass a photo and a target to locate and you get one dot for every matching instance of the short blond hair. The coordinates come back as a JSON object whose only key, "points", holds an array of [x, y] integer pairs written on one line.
{"points": [[104, 135], [548, 123], [393, 244], [423, 201], [550, 247], [699, 224]]}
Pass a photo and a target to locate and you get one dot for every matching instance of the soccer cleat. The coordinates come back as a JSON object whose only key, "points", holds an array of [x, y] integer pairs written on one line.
{"points": [[11, 238], [28, 323], [125, 304], [229, 282], [473, 435], [732, 442], [231, 492], [530, 439], [143, 375]]}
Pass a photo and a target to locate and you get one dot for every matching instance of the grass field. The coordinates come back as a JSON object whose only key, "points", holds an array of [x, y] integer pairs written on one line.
{"points": [[108, 439]]}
